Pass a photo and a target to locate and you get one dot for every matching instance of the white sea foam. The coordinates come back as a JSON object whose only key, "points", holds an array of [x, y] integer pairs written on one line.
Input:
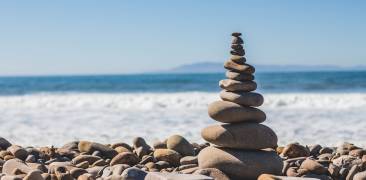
{"points": [[45, 119]]}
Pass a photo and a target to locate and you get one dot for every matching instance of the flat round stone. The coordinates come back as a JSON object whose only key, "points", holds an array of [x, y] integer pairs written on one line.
{"points": [[236, 34], [239, 76], [233, 85], [240, 164], [228, 112], [240, 136], [237, 40], [238, 59], [242, 98], [236, 46], [237, 52], [240, 68]]}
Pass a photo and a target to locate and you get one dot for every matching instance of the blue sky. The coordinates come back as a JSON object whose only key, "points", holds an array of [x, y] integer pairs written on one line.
{"points": [[103, 37]]}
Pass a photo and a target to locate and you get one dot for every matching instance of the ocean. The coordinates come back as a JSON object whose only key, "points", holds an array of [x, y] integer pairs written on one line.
{"points": [[308, 107]]}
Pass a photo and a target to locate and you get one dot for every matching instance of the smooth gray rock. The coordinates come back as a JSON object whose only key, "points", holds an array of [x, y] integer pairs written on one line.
{"points": [[229, 112], [175, 176], [242, 98], [239, 76], [181, 145], [241, 86], [240, 136], [240, 164]]}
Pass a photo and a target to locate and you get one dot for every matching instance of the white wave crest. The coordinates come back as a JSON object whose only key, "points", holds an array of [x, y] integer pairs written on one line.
{"points": [[45, 119]]}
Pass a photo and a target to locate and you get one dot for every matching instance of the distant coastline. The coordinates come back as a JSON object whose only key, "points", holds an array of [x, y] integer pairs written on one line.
{"points": [[213, 67]]}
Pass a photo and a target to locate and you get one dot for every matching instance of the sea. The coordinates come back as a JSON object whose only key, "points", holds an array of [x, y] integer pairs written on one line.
{"points": [[324, 107]]}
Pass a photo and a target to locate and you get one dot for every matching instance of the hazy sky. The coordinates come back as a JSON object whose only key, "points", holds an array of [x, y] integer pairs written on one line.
{"points": [[97, 37]]}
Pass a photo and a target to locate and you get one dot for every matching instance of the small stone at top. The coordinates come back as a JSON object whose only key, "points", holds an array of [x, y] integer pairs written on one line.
{"points": [[236, 34]]}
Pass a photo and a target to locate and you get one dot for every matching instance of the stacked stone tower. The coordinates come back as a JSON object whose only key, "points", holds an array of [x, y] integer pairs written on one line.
{"points": [[243, 148]]}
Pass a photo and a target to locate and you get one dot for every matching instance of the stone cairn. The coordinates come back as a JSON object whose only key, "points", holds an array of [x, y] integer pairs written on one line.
{"points": [[243, 148]]}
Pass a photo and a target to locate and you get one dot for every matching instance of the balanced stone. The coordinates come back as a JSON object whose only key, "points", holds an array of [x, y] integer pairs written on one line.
{"points": [[239, 77], [242, 98], [237, 40], [228, 112], [233, 85], [237, 46], [241, 68], [238, 59], [240, 136], [237, 52], [240, 164], [236, 34]]}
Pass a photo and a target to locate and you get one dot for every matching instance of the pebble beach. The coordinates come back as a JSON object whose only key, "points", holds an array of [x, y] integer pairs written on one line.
{"points": [[172, 158], [237, 142]]}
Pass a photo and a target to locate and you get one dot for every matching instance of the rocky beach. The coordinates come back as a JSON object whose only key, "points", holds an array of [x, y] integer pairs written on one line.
{"points": [[174, 158]]}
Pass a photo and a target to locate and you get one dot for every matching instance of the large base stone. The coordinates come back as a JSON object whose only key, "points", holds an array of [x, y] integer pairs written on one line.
{"points": [[240, 164], [240, 136]]}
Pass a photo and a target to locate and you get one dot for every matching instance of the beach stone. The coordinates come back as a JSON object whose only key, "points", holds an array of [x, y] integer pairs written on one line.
{"points": [[10, 177], [133, 173], [236, 34], [273, 177], [240, 164], [357, 153], [30, 159], [238, 59], [237, 40], [236, 46], [346, 161], [160, 145], [168, 155], [242, 98], [121, 149], [88, 158], [34, 175], [181, 145], [325, 150], [76, 172], [238, 52], [141, 148], [240, 136], [228, 112], [121, 144], [354, 170], [119, 168], [125, 158], [295, 150], [212, 172], [4, 144], [86, 176], [313, 166], [18, 152], [100, 162], [147, 158], [239, 76], [90, 147], [242, 86], [240, 68], [162, 164], [314, 149], [360, 176], [189, 160], [333, 170], [175, 176], [12, 164], [186, 166]]}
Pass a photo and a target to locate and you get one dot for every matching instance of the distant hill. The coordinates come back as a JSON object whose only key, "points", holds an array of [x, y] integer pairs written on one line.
{"points": [[212, 67]]}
